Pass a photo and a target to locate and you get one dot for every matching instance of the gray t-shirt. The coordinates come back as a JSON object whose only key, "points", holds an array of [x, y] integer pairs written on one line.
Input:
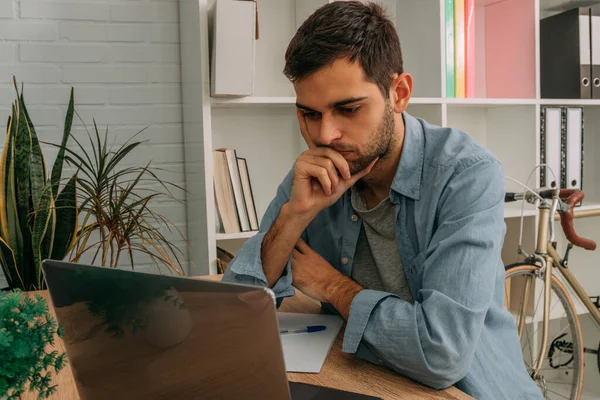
{"points": [[377, 264]]}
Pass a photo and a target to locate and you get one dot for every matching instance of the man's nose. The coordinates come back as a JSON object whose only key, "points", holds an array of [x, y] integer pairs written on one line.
{"points": [[329, 130]]}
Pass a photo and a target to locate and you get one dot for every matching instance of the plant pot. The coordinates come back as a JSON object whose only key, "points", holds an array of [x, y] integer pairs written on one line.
{"points": [[169, 322]]}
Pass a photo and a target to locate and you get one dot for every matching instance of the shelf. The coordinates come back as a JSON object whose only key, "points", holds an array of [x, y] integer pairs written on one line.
{"points": [[235, 236], [513, 210], [570, 102], [468, 102], [426, 100], [250, 100], [587, 206], [486, 102]]}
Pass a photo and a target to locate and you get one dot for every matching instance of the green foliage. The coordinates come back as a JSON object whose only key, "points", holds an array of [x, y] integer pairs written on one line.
{"points": [[117, 218], [38, 221], [26, 332], [31, 203]]}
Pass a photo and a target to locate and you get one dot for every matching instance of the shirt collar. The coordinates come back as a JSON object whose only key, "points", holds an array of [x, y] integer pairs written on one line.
{"points": [[407, 180]]}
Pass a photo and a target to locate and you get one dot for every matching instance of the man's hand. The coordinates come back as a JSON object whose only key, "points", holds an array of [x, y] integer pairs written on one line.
{"points": [[311, 273], [316, 278], [321, 176]]}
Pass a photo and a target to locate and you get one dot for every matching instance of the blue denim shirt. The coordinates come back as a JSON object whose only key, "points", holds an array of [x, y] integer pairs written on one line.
{"points": [[449, 197]]}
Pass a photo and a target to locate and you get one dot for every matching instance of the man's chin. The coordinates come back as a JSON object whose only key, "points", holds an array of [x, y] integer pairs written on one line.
{"points": [[358, 166]]}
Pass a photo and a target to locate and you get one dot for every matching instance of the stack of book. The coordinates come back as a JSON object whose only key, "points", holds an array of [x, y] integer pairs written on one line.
{"points": [[459, 17], [233, 193]]}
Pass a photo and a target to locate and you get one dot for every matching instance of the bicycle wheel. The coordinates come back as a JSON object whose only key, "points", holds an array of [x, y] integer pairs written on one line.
{"points": [[561, 375]]}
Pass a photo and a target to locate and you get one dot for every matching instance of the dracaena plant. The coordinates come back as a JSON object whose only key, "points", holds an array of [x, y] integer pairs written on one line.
{"points": [[117, 219], [31, 203]]}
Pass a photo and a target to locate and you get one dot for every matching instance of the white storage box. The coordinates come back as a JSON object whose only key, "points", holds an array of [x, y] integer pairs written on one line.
{"points": [[232, 47]]}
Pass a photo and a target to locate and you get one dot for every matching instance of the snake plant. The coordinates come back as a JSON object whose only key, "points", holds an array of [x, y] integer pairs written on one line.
{"points": [[37, 220]]}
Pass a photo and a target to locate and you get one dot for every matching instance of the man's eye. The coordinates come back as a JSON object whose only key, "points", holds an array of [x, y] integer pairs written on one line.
{"points": [[350, 110], [312, 115]]}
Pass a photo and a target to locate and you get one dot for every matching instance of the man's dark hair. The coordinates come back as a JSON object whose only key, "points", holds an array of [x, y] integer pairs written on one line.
{"points": [[346, 29]]}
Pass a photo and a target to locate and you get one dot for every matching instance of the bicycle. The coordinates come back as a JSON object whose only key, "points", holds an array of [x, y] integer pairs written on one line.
{"points": [[557, 368]]}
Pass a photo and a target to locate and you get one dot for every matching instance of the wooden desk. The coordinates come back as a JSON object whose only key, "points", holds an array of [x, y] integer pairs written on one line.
{"points": [[340, 370]]}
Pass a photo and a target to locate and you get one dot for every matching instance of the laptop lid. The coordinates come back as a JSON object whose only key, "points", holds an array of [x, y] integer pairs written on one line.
{"points": [[139, 336]]}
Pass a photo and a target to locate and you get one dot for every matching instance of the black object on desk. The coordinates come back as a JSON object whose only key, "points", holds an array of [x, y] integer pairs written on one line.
{"points": [[304, 391]]}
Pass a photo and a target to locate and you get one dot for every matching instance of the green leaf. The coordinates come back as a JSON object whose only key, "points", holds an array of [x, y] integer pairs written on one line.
{"points": [[21, 170], [38, 185], [120, 154], [47, 246], [11, 230], [58, 164], [67, 214], [37, 171], [43, 211], [9, 265], [4, 175]]}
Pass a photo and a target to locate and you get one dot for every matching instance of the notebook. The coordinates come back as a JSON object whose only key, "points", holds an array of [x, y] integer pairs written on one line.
{"points": [[306, 352]]}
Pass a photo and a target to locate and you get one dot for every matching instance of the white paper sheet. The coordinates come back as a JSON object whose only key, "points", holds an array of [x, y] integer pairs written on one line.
{"points": [[306, 352]]}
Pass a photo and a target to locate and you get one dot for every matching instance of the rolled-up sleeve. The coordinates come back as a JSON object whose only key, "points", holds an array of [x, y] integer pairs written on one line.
{"points": [[247, 267], [432, 340]]}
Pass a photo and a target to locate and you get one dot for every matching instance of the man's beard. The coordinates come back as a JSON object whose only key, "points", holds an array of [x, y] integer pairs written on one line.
{"points": [[380, 144]]}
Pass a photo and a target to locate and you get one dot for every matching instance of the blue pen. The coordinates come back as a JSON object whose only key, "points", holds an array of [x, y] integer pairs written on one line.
{"points": [[308, 329]]}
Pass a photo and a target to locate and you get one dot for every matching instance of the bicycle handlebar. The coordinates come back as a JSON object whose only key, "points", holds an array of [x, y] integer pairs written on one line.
{"points": [[570, 197], [566, 219]]}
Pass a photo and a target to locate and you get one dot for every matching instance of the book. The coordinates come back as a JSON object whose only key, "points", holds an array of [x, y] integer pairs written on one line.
{"points": [[469, 48], [248, 195], [449, 35], [459, 48], [224, 194], [236, 184]]}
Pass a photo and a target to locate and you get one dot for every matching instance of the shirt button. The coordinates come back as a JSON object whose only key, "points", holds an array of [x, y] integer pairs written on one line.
{"points": [[355, 218], [344, 261]]}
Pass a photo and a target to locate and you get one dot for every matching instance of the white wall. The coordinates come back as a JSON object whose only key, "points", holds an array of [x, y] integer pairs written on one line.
{"points": [[122, 57]]}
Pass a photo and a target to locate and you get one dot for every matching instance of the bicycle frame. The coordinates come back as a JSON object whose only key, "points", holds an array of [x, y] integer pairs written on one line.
{"points": [[545, 250]]}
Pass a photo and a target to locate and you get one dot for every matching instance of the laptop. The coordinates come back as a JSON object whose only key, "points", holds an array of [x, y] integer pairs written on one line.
{"points": [[133, 335]]}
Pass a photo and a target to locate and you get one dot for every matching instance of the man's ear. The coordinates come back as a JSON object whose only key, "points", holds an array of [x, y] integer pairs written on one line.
{"points": [[400, 91]]}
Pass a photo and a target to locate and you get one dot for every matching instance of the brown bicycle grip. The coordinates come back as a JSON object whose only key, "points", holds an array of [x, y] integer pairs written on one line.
{"points": [[566, 221], [566, 193]]}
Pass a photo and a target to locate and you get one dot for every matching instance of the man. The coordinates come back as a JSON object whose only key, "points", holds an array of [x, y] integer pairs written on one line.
{"points": [[396, 223]]}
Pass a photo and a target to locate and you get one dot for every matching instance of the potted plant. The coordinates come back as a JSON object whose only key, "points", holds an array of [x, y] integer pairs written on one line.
{"points": [[118, 220], [31, 202], [27, 332], [115, 212]]}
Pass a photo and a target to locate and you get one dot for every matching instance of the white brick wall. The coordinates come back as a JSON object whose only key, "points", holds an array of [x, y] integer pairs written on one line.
{"points": [[122, 58]]}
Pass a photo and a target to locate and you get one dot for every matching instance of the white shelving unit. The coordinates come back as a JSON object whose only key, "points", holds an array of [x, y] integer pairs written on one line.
{"points": [[263, 128], [235, 236]]}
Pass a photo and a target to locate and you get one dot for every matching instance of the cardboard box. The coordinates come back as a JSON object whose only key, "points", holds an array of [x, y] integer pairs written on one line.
{"points": [[233, 47]]}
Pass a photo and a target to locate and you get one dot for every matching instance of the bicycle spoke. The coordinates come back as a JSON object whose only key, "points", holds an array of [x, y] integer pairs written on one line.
{"points": [[535, 308], [550, 313], [561, 395], [529, 342]]}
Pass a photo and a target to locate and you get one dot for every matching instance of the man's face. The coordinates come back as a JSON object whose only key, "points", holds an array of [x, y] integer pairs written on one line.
{"points": [[340, 109]]}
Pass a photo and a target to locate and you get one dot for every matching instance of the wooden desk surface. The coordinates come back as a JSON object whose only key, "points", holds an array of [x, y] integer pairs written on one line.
{"points": [[340, 370]]}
